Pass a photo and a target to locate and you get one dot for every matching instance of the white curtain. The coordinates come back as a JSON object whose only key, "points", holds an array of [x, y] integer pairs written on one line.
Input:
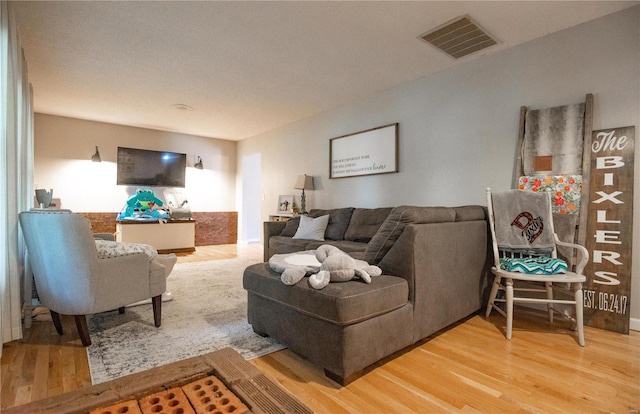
{"points": [[16, 170]]}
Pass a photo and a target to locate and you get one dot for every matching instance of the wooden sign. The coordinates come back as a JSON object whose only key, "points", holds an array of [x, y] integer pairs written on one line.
{"points": [[374, 151], [609, 230]]}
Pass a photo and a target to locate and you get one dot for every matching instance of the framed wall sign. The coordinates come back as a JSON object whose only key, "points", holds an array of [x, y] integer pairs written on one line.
{"points": [[374, 151]]}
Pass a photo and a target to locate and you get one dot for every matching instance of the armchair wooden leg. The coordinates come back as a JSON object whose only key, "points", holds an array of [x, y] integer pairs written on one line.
{"points": [[492, 295], [157, 310], [83, 329], [55, 316], [579, 312], [509, 304], [549, 289]]}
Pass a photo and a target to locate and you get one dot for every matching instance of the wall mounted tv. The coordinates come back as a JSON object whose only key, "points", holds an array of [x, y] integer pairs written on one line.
{"points": [[151, 168]]}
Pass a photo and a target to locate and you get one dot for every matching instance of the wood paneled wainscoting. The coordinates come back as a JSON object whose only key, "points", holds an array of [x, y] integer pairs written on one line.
{"points": [[212, 228], [102, 222]]}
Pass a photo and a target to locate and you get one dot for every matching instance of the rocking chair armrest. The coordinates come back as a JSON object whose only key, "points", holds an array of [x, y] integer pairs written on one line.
{"points": [[583, 254]]}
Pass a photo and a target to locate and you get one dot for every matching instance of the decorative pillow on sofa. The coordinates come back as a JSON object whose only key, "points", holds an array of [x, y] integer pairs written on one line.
{"points": [[312, 228], [108, 248], [291, 227]]}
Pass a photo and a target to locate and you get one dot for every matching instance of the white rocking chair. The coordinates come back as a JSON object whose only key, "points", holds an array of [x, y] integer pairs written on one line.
{"points": [[523, 237]]}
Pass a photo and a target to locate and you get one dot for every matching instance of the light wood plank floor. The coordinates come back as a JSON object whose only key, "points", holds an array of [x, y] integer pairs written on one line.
{"points": [[470, 367]]}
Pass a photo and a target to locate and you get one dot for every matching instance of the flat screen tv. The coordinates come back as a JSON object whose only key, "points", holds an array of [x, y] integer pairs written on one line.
{"points": [[151, 168]]}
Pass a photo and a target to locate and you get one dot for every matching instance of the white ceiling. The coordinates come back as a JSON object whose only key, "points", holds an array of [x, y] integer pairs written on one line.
{"points": [[249, 67]]}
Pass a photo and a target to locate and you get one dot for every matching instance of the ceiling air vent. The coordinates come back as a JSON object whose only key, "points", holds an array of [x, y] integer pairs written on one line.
{"points": [[459, 38]]}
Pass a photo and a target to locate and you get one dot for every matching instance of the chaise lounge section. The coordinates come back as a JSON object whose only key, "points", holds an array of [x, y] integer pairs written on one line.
{"points": [[434, 262]]}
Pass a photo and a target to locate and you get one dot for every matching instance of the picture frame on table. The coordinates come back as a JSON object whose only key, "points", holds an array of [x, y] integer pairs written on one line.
{"points": [[285, 204]]}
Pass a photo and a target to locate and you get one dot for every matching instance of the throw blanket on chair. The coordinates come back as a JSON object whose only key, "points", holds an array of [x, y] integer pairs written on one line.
{"points": [[534, 265], [523, 222]]}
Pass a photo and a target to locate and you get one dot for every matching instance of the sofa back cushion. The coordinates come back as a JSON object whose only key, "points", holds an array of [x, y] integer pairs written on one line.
{"points": [[470, 213], [395, 223], [365, 223], [338, 221]]}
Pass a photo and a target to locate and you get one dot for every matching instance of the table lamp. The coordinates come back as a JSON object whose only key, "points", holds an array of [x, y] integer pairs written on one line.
{"points": [[304, 182]]}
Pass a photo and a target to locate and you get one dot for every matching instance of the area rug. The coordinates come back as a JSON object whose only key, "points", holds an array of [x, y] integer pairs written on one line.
{"points": [[208, 312]]}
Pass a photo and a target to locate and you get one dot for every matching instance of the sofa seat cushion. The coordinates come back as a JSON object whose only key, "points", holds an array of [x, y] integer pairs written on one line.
{"points": [[283, 244], [344, 245], [339, 303]]}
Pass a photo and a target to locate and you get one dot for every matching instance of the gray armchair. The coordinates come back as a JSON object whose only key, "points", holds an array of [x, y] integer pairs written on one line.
{"points": [[72, 280]]}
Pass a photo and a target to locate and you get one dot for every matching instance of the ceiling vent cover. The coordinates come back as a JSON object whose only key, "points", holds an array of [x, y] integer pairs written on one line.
{"points": [[459, 38]]}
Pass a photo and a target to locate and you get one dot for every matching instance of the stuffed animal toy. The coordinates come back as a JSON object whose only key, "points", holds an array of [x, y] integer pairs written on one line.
{"points": [[294, 266], [144, 201], [337, 266], [334, 266]]}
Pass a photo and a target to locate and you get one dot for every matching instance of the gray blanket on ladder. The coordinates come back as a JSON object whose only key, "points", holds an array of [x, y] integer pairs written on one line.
{"points": [[556, 132]]}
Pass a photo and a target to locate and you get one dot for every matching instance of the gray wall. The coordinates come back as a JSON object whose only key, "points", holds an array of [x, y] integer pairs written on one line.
{"points": [[458, 128]]}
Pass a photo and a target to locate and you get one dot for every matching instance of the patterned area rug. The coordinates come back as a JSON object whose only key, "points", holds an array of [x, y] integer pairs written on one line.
{"points": [[208, 312]]}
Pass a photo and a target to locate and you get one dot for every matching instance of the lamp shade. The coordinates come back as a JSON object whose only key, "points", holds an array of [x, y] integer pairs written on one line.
{"points": [[304, 182]]}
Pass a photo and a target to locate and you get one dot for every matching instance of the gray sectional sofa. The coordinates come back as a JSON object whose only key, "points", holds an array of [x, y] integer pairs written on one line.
{"points": [[435, 268]]}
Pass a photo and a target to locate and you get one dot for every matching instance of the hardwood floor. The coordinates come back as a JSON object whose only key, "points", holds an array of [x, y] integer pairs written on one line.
{"points": [[469, 367]]}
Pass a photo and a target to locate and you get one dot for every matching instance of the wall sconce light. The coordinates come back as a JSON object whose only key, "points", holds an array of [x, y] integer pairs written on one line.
{"points": [[198, 165], [304, 182], [96, 157]]}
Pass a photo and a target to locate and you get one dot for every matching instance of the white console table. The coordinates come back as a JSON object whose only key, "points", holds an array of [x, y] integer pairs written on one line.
{"points": [[282, 217], [172, 236]]}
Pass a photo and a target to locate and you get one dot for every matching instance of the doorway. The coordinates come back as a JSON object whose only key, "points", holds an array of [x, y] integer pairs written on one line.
{"points": [[251, 200]]}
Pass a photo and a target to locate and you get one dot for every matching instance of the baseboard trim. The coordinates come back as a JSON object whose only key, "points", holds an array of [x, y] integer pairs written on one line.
{"points": [[634, 324]]}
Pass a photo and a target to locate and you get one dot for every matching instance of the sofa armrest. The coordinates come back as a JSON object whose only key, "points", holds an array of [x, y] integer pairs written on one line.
{"points": [[271, 228], [446, 265], [104, 236]]}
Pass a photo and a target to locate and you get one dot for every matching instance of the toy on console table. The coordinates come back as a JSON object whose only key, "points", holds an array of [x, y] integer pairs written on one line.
{"points": [[143, 205], [177, 203]]}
